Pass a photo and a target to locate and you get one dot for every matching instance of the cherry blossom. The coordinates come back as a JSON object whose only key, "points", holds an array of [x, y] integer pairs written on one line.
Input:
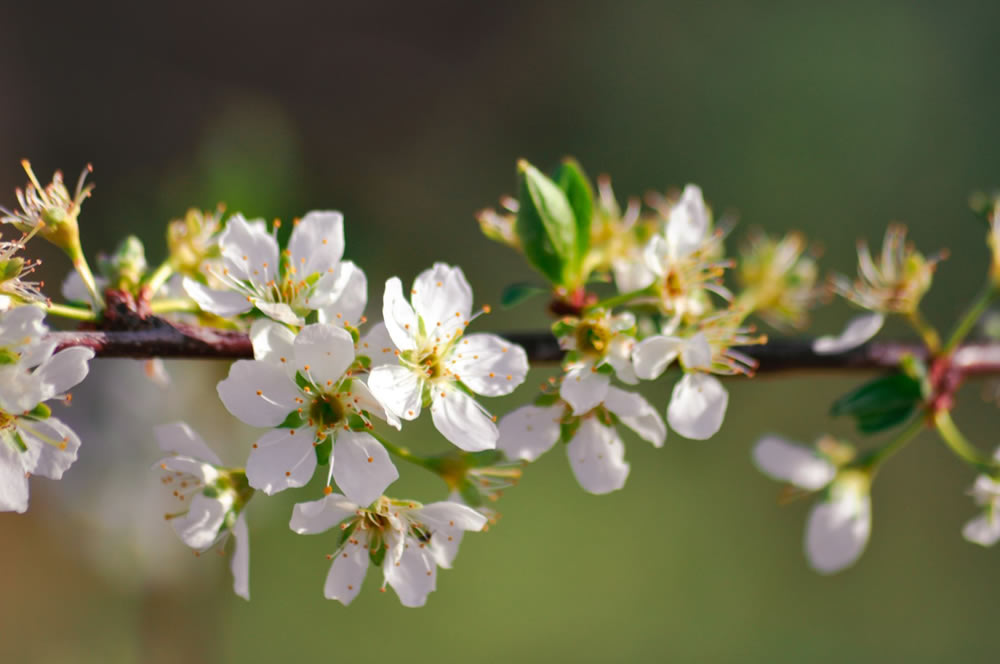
{"points": [[421, 357], [210, 498], [597, 340], [985, 528], [303, 386], [409, 540]]}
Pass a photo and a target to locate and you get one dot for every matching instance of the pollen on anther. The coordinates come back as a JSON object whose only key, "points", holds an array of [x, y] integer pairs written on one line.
{"points": [[254, 445], [260, 393], [327, 490], [371, 460], [291, 432], [288, 473]]}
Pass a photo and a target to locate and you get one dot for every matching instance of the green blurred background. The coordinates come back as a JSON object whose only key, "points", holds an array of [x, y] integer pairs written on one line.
{"points": [[409, 117]]}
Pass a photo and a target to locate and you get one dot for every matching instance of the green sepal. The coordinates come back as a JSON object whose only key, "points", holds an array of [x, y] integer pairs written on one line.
{"points": [[7, 356], [605, 368], [11, 268], [515, 294], [545, 225], [378, 555], [355, 334], [356, 422], [40, 412], [574, 183], [302, 381], [470, 494], [568, 429], [564, 327], [294, 420], [881, 403], [210, 491], [363, 362], [324, 450], [482, 459], [345, 534], [549, 399]]}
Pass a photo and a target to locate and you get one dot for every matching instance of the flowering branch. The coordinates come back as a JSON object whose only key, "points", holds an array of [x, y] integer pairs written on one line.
{"points": [[178, 341]]}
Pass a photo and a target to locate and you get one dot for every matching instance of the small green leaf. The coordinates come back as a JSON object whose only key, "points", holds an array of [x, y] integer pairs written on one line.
{"points": [[515, 294], [574, 183], [881, 403], [545, 225]]}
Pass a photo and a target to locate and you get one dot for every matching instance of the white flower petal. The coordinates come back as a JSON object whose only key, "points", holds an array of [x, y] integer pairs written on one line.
{"points": [[279, 311], [319, 516], [343, 582], [597, 457], [787, 462], [323, 352], [205, 472], [64, 370], [179, 438], [653, 355], [461, 420], [583, 388], [414, 576], [239, 564], [13, 481], [282, 458], [620, 358], [838, 529], [398, 316], [360, 397], [20, 324], [687, 223], [52, 446], [442, 298], [529, 432], [859, 330], [74, 290], [271, 341], [656, 256], [637, 414], [317, 242], [199, 528], [984, 530], [449, 515], [631, 273], [696, 353], [398, 389], [378, 345], [488, 364], [259, 393], [224, 303], [361, 467], [697, 406], [248, 250], [346, 295]]}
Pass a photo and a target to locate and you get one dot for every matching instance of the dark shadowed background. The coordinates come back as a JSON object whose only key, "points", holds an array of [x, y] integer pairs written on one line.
{"points": [[409, 117]]}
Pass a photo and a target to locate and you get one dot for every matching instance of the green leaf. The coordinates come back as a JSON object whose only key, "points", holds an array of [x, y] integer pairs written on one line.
{"points": [[882, 403], [574, 183], [545, 225], [515, 294]]}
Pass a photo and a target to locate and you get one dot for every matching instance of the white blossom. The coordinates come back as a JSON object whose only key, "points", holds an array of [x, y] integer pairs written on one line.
{"points": [[209, 497], [421, 357], [412, 541], [596, 452], [839, 524], [595, 341], [306, 383], [698, 402], [32, 442], [985, 528], [858, 330], [308, 276]]}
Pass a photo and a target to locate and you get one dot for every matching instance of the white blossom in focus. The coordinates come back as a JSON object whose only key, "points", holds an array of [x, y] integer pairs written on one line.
{"points": [[286, 286], [209, 498], [305, 389], [408, 539], [839, 524], [596, 452], [420, 357], [32, 442]]}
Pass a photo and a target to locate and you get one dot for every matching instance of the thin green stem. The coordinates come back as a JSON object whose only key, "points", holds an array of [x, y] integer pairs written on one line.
{"points": [[402, 452], [971, 317], [622, 298], [159, 277], [874, 459], [66, 311], [83, 269], [960, 445], [173, 305], [926, 331]]}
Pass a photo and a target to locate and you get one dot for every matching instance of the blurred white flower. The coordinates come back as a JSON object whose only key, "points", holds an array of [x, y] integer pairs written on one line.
{"points": [[210, 498], [420, 357], [985, 528], [32, 442], [407, 539], [302, 386], [308, 276], [839, 525], [858, 330]]}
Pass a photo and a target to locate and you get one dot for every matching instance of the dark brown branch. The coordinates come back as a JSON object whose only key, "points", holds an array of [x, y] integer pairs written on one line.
{"points": [[780, 355]]}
